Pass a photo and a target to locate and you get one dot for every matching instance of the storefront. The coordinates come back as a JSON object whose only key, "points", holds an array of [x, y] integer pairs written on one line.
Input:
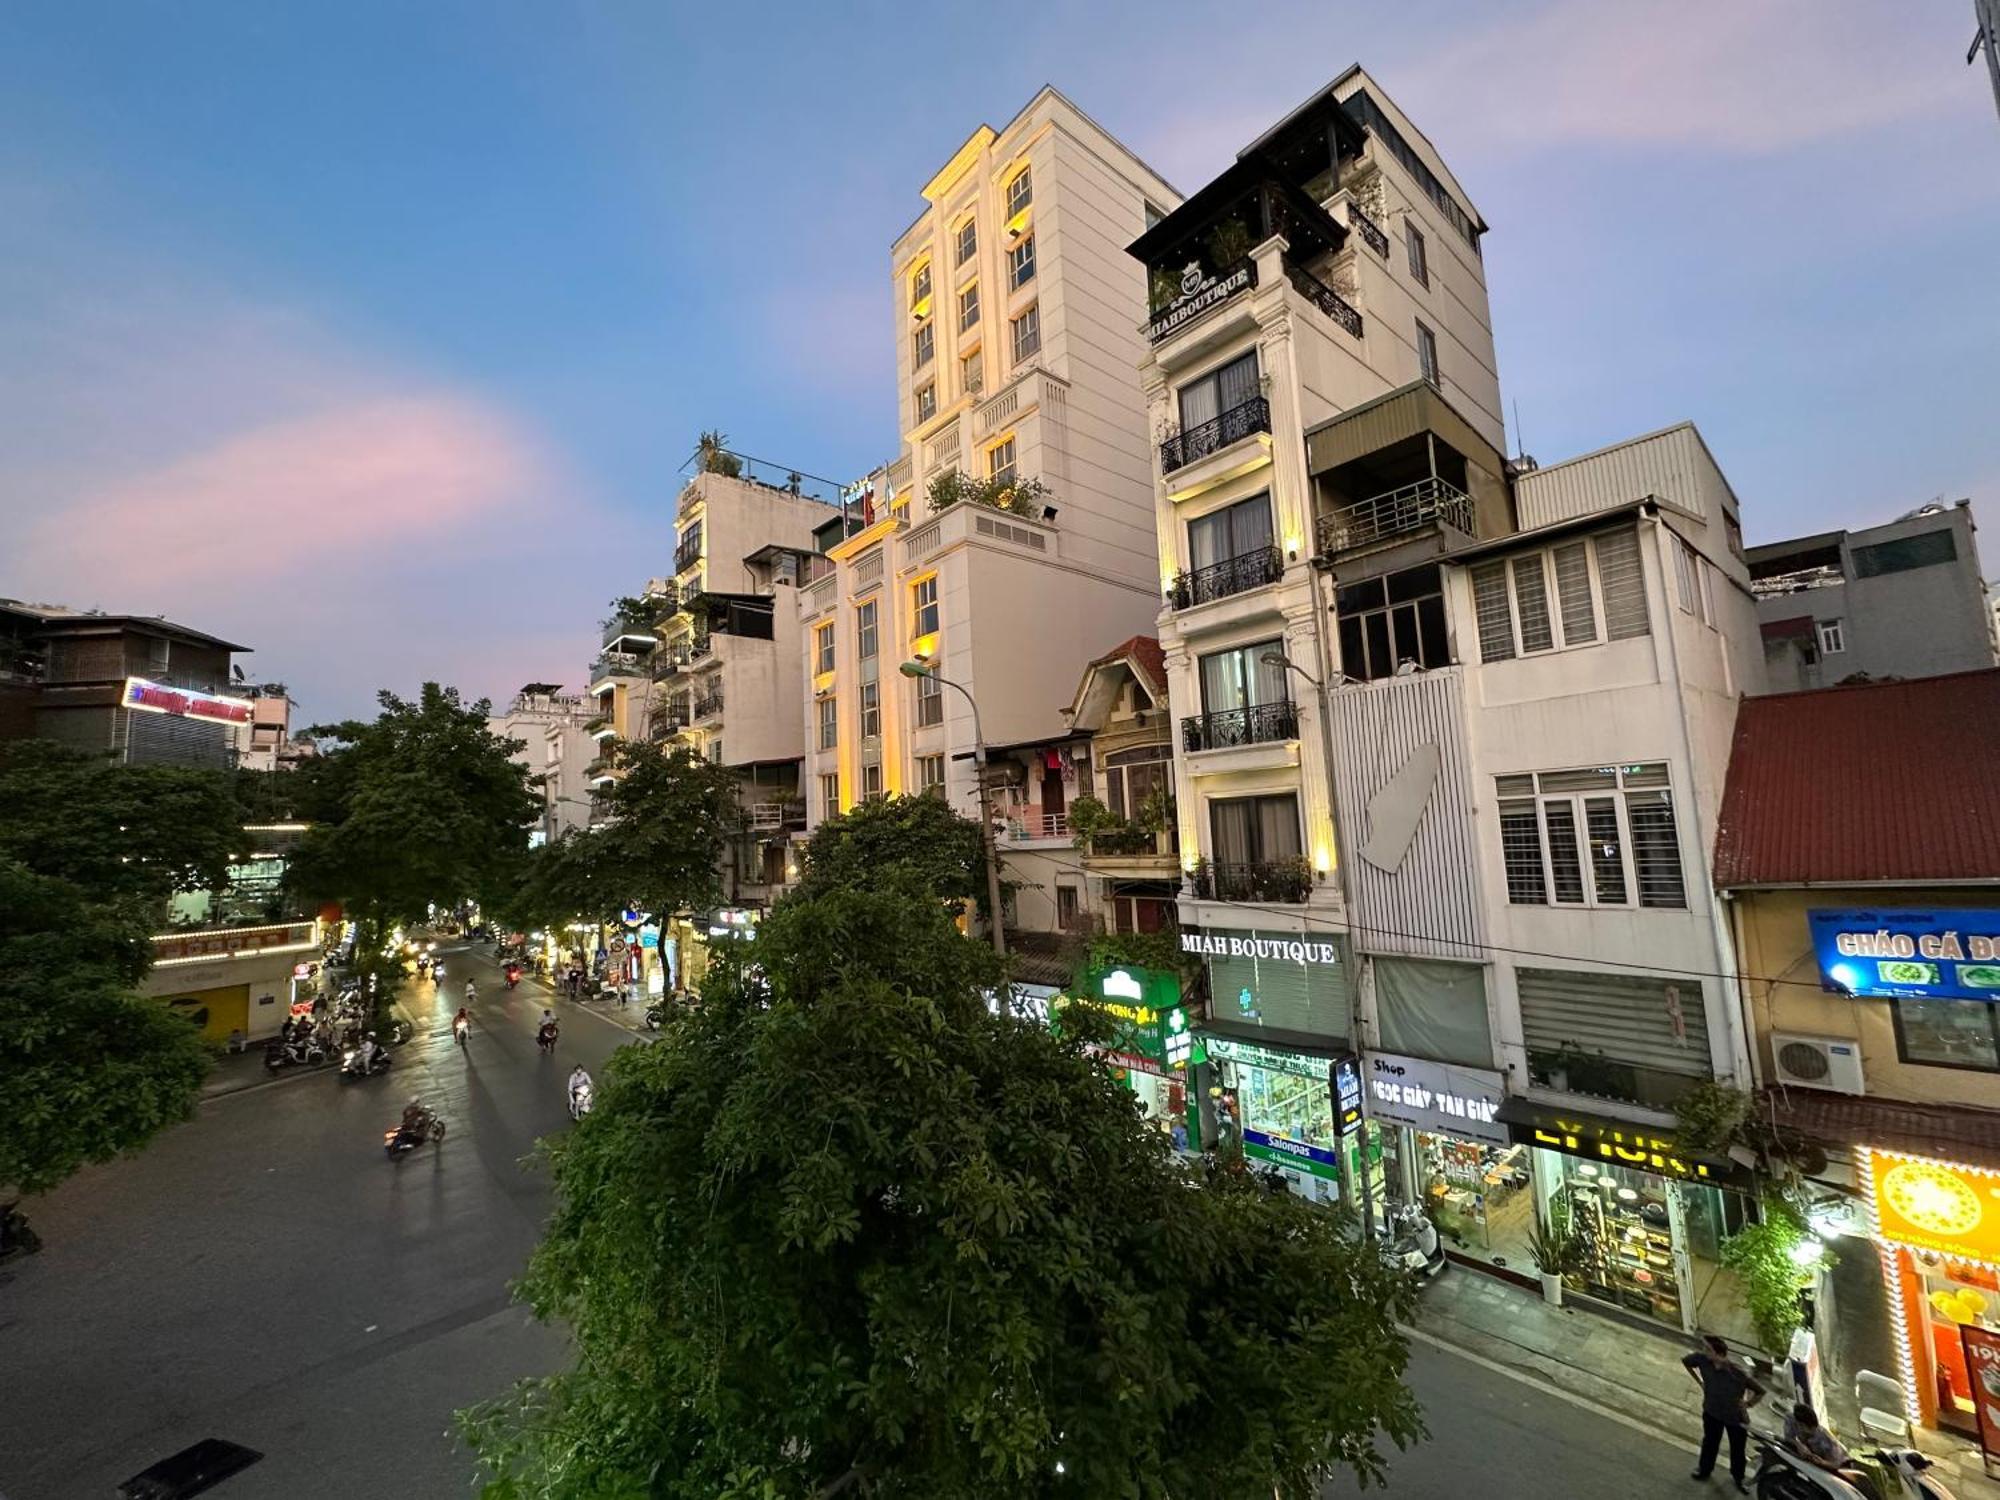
{"points": [[1151, 1048], [1936, 1225], [1436, 1140], [1295, 1103], [1650, 1219]]}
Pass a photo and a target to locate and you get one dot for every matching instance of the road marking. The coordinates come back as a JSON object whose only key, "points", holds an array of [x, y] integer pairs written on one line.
{"points": [[1547, 1388]]}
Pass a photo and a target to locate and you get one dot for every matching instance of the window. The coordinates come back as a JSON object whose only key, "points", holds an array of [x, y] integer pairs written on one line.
{"points": [[1131, 776], [1220, 390], [829, 723], [1020, 192], [1386, 621], [871, 783], [930, 775], [1254, 830], [1420, 266], [829, 794], [1154, 213], [930, 702], [1832, 637], [1591, 838], [924, 605], [871, 710], [1000, 461], [1021, 264], [920, 286], [1688, 582], [1238, 530], [715, 752], [1947, 1033], [968, 307], [968, 241], [926, 403], [1027, 332], [1241, 678], [1540, 601], [1427, 354], [923, 343], [972, 376], [864, 630], [1069, 910], [1925, 550], [823, 646]]}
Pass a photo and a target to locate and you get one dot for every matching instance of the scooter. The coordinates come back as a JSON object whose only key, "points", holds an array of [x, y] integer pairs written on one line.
{"points": [[293, 1054], [350, 1063], [655, 1014], [395, 1142], [460, 1031], [580, 1101], [1413, 1242], [1882, 1474], [513, 976], [546, 1037]]}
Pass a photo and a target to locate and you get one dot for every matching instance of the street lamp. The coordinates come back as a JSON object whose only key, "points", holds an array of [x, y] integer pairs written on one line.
{"points": [[1335, 679], [929, 669]]}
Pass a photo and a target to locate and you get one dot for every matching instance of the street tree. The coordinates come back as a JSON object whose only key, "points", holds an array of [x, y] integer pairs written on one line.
{"points": [[846, 1231], [899, 840], [88, 1068]]}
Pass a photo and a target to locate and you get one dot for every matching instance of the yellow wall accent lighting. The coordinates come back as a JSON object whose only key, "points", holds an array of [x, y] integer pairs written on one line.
{"points": [[924, 647]]}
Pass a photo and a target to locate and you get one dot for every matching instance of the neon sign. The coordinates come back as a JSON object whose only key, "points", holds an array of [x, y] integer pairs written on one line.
{"points": [[184, 703]]}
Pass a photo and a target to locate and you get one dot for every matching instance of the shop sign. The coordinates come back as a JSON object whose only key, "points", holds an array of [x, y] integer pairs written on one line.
{"points": [[1936, 1206], [184, 703], [1344, 1079], [1249, 1054], [649, 936], [1436, 1097], [1198, 294], [1282, 1150], [230, 942], [1952, 955], [1153, 1029], [1619, 1142], [631, 916], [1982, 1361], [1234, 945]]}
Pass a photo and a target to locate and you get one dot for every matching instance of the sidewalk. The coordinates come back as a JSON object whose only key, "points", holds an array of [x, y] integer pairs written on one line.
{"points": [[1617, 1366]]}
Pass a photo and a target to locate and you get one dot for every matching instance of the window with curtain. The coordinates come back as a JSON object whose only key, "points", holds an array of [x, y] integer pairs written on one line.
{"points": [[1220, 390], [1254, 830], [1240, 678], [1234, 531], [1131, 775]]}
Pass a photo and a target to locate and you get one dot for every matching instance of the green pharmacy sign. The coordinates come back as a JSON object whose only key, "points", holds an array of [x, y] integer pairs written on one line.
{"points": [[1151, 1028]]}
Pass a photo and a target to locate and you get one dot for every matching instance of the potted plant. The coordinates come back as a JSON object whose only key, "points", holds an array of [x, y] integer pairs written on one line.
{"points": [[1553, 1247]]}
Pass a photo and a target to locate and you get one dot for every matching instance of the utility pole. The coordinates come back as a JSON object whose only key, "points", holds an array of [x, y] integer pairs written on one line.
{"points": [[996, 922]]}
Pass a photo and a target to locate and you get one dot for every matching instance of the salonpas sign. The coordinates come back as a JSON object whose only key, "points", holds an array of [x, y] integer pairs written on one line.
{"points": [[1238, 945]]}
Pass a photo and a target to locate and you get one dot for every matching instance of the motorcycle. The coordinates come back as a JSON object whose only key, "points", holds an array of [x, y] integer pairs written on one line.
{"points": [[16, 1238], [1882, 1474], [398, 1140], [1414, 1245], [351, 1067], [580, 1101], [513, 976], [545, 1038], [461, 1031], [656, 1013]]}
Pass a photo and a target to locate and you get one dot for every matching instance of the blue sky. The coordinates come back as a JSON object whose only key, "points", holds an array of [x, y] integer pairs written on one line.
{"points": [[375, 335]]}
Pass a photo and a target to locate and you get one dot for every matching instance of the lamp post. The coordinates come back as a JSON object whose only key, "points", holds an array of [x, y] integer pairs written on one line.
{"points": [[1279, 659], [928, 669]]}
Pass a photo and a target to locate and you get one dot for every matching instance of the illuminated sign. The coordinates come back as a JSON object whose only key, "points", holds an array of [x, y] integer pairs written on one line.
{"points": [[230, 942], [1198, 294], [1436, 1097], [1229, 945], [1154, 1034], [184, 703], [1935, 1205], [1952, 955], [1249, 1054], [1619, 1142], [1344, 1078]]}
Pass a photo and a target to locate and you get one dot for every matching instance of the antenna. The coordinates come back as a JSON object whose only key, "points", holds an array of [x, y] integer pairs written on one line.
{"points": [[1520, 442]]}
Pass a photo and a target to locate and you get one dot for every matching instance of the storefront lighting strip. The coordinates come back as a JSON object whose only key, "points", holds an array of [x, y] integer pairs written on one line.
{"points": [[1892, 1277], [163, 937], [207, 958]]}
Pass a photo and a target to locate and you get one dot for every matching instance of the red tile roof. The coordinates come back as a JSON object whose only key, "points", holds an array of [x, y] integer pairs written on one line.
{"points": [[1943, 1132], [1144, 653], [1862, 785]]}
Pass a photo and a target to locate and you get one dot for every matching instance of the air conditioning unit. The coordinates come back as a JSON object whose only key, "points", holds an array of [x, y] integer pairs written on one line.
{"points": [[1818, 1062]]}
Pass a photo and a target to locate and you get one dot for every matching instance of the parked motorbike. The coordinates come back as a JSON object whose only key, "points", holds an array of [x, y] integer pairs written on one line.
{"points": [[656, 1013], [16, 1238], [293, 1054], [397, 1140], [351, 1066], [1879, 1474], [1413, 1241]]}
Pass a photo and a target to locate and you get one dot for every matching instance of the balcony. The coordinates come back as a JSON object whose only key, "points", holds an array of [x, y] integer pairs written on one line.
{"points": [[688, 553], [775, 817], [1217, 433], [607, 665], [1370, 232], [1289, 880], [708, 705], [1430, 503], [1798, 580], [629, 635], [1048, 825], [1325, 298], [700, 649], [1235, 575], [1259, 724]]}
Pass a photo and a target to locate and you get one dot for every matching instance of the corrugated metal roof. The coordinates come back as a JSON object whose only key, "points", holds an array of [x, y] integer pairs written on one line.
{"points": [[1875, 783], [1946, 1132], [1402, 413]]}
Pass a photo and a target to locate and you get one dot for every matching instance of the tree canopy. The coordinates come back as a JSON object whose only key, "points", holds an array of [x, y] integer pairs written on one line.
{"points": [[899, 840], [844, 1230]]}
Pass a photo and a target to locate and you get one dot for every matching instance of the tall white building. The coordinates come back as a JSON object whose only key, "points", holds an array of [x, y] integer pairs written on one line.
{"points": [[554, 745], [1017, 318]]}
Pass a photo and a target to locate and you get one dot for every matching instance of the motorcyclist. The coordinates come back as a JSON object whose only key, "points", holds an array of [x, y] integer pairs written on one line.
{"points": [[461, 1024], [364, 1055], [579, 1085], [416, 1120], [545, 1033], [471, 992]]}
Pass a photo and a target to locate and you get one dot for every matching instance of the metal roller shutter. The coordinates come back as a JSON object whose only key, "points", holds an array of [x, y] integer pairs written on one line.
{"points": [[1628, 1017]]}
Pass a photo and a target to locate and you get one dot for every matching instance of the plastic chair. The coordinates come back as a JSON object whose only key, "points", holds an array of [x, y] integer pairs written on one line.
{"points": [[1882, 1406]]}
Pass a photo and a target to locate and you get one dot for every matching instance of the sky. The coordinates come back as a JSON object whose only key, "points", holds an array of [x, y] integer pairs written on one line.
{"points": [[376, 336]]}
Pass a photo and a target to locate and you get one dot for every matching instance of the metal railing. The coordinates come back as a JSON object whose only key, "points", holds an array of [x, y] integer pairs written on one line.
{"points": [[1217, 433], [1234, 575], [1370, 232], [1259, 724], [1289, 880], [613, 664], [708, 705], [623, 629], [1325, 298], [775, 817], [701, 648], [1414, 507], [1114, 841], [688, 553], [1798, 580], [1053, 825]]}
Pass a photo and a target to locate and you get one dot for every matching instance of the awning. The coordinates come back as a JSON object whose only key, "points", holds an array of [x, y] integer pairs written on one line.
{"points": [[1954, 1132], [1369, 428]]}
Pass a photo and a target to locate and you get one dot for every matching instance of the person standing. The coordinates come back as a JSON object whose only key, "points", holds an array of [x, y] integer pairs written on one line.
{"points": [[1728, 1391]]}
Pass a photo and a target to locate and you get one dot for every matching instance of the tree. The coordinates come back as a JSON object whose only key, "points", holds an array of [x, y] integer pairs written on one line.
{"points": [[712, 455], [844, 1231], [88, 1068], [903, 840]]}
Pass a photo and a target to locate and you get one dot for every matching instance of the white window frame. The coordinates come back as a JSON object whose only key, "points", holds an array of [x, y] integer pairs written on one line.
{"points": [[1545, 557], [1014, 326], [866, 636], [919, 605], [926, 781], [926, 402], [963, 249], [871, 710], [829, 723], [1021, 263], [968, 306], [823, 647], [920, 283], [1832, 636], [829, 793], [997, 465], [1617, 794], [923, 343], [930, 702], [1020, 191], [972, 370], [871, 782]]}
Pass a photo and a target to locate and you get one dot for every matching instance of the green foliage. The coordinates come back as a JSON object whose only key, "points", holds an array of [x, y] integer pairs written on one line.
{"points": [[1021, 497], [911, 841], [1763, 1256], [1089, 817], [1228, 243], [712, 455], [634, 612], [1140, 950], [1709, 1118], [88, 1069], [1553, 1245], [1163, 289], [842, 1230], [1155, 813], [116, 831]]}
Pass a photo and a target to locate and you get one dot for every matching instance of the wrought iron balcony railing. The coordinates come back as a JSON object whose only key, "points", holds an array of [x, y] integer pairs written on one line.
{"points": [[1235, 575], [1325, 298], [1257, 725], [1370, 232], [1289, 879], [1124, 841], [709, 706], [1415, 507], [1217, 433], [686, 556]]}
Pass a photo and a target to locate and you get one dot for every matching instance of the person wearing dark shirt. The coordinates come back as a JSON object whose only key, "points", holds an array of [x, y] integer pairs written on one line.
{"points": [[1727, 1394]]}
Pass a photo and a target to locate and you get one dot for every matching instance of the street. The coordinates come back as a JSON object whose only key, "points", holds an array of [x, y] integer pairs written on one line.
{"points": [[263, 1274]]}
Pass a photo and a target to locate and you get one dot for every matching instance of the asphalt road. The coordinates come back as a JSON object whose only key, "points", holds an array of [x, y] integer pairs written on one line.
{"points": [[264, 1274]]}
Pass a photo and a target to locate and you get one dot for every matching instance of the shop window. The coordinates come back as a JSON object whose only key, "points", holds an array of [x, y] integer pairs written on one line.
{"points": [[1386, 621], [1553, 599], [1948, 1034], [1597, 837]]}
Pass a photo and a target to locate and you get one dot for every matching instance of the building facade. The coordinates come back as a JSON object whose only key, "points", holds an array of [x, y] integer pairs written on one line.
{"points": [[1016, 326], [555, 747], [1905, 599]]}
